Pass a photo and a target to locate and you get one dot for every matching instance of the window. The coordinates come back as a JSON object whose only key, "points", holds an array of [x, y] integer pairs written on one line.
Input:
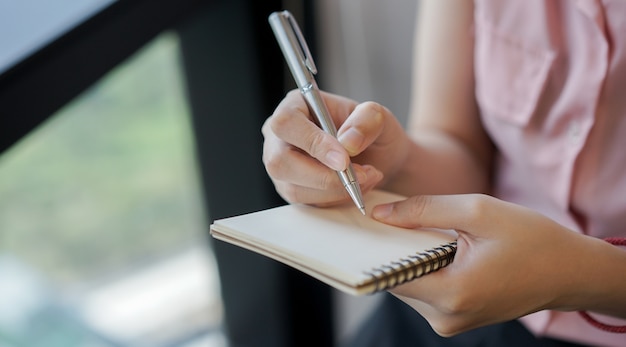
{"points": [[103, 241]]}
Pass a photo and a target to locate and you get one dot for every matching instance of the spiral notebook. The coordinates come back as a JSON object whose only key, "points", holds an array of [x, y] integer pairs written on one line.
{"points": [[339, 246]]}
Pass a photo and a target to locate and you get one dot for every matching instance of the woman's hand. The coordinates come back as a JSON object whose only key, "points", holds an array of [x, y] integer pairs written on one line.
{"points": [[302, 160], [511, 261]]}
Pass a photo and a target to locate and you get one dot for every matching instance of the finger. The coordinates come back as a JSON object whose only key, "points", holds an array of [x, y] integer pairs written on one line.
{"points": [[339, 107], [290, 166], [286, 163], [297, 168], [458, 212], [304, 195], [291, 123], [328, 197], [362, 128]]}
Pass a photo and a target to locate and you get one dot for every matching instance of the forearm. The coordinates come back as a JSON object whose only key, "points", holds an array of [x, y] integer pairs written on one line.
{"points": [[450, 152]]}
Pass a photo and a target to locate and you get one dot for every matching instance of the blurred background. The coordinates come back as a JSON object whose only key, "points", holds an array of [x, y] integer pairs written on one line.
{"points": [[103, 236], [105, 205]]}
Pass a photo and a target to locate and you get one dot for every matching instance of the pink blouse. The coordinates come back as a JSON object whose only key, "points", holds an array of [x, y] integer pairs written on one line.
{"points": [[551, 88]]}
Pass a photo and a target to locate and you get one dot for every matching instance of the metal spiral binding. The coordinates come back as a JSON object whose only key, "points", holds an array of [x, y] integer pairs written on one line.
{"points": [[413, 266]]}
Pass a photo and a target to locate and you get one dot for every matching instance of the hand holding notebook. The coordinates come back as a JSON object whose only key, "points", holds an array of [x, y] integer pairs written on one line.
{"points": [[339, 246]]}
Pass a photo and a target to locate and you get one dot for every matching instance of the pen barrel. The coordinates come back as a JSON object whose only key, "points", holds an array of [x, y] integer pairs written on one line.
{"points": [[294, 48], [317, 106], [348, 176]]}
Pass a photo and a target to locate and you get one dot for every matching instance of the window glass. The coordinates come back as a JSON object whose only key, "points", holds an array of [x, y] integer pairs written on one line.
{"points": [[103, 241], [28, 25]]}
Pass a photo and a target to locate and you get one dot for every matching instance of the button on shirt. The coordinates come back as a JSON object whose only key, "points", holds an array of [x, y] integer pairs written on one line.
{"points": [[551, 89]]}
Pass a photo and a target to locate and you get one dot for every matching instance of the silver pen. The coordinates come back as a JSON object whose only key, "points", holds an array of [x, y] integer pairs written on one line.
{"points": [[303, 69]]}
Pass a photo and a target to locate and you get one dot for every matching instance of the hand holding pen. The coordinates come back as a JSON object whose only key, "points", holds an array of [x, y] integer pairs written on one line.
{"points": [[302, 160], [303, 69]]}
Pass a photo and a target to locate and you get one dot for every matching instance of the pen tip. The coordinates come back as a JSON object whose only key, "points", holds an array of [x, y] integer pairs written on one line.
{"points": [[362, 209]]}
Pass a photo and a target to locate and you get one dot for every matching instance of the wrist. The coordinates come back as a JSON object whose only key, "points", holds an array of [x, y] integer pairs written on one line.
{"points": [[620, 329], [590, 277]]}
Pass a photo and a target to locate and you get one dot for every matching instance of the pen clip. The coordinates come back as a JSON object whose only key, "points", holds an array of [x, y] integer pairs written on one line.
{"points": [[304, 48]]}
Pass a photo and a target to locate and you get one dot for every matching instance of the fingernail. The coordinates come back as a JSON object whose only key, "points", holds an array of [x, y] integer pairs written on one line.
{"points": [[335, 160], [352, 140], [382, 211]]}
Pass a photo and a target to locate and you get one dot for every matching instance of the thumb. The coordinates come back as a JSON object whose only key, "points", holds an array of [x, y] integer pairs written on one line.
{"points": [[458, 212]]}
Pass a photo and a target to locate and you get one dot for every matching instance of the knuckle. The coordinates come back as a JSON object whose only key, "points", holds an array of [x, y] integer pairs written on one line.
{"points": [[418, 206], [447, 327], [289, 192], [478, 206], [451, 321], [315, 143], [274, 163], [279, 121], [292, 93], [328, 181], [266, 129], [374, 110], [371, 107], [456, 305]]}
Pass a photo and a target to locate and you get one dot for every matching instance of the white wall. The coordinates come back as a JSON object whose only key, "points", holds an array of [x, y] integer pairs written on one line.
{"points": [[366, 50]]}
